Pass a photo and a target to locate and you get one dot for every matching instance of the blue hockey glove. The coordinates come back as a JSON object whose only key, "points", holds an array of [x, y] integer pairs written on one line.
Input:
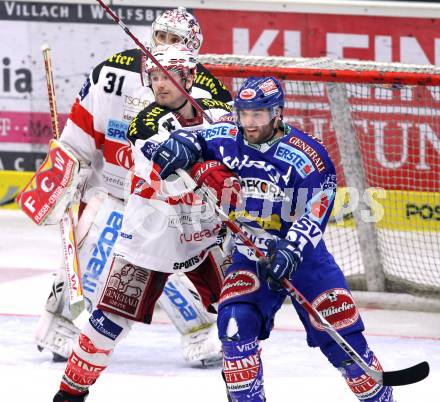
{"points": [[281, 263], [179, 151]]}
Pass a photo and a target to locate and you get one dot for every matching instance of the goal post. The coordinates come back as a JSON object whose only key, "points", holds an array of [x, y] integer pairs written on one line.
{"points": [[380, 123]]}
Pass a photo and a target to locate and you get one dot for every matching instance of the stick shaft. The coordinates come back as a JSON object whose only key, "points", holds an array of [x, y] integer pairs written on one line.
{"points": [[51, 93], [70, 254]]}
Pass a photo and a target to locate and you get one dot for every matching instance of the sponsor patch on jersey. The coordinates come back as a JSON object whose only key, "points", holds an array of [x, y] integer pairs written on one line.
{"points": [[239, 283], [248, 94], [189, 219], [220, 131], [262, 189], [104, 326], [318, 206], [305, 148], [304, 228], [200, 235], [121, 59], [228, 118], [302, 164], [85, 89], [329, 182], [268, 87], [187, 264], [216, 104], [123, 293], [117, 130], [124, 157], [337, 307]]}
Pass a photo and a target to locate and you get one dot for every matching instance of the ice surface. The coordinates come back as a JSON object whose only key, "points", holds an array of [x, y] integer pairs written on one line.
{"points": [[147, 366]]}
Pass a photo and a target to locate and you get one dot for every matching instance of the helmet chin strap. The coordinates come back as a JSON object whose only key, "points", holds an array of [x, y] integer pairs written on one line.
{"points": [[274, 131], [176, 109], [185, 80]]}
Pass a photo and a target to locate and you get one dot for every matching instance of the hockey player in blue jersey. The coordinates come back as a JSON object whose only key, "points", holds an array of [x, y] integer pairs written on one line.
{"points": [[288, 186]]}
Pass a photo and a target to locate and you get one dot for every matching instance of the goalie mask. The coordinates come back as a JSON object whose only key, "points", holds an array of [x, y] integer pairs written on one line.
{"points": [[177, 23], [177, 59]]}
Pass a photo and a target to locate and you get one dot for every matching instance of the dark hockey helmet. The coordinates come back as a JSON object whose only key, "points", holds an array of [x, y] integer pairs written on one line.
{"points": [[259, 93]]}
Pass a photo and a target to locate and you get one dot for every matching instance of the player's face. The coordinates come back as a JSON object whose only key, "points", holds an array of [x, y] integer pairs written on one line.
{"points": [[166, 38], [165, 92], [257, 124]]}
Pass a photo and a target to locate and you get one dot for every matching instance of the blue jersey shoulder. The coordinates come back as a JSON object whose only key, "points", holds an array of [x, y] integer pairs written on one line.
{"points": [[220, 130], [304, 152]]}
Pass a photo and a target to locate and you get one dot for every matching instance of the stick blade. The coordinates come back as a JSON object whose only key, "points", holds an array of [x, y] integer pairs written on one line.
{"points": [[406, 376]]}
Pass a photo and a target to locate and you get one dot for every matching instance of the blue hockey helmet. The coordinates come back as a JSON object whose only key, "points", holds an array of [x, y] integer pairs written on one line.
{"points": [[258, 93]]}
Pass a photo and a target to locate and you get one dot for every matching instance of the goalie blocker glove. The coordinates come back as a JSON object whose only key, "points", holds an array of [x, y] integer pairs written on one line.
{"points": [[179, 151], [281, 263], [220, 179]]}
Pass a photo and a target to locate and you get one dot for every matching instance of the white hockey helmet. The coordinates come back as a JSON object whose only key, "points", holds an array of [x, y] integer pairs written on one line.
{"points": [[176, 57], [181, 23]]}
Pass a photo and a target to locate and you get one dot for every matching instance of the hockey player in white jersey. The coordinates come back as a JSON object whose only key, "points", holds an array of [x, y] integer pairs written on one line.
{"points": [[162, 232], [95, 132]]}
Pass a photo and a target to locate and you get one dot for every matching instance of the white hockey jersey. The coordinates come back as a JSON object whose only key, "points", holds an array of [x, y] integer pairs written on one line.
{"points": [[163, 230], [112, 95]]}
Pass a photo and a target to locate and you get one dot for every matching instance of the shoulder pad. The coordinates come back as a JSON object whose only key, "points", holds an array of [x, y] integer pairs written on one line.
{"points": [[207, 104], [96, 71], [313, 149], [206, 81], [127, 60], [146, 123]]}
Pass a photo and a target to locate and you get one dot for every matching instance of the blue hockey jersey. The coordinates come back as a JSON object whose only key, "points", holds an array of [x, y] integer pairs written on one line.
{"points": [[288, 185]]}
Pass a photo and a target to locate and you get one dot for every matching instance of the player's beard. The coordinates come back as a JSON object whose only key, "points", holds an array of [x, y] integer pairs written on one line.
{"points": [[259, 134]]}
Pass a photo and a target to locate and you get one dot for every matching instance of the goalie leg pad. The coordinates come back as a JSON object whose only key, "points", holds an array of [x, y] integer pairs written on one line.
{"points": [[183, 305], [362, 385], [55, 330], [202, 345], [96, 232], [56, 333], [187, 310]]}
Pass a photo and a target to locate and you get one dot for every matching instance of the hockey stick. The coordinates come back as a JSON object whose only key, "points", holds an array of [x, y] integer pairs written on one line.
{"points": [[405, 376], [71, 265], [147, 53]]}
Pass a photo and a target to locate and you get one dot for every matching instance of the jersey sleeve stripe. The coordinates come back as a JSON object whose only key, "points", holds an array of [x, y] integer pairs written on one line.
{"points": [[84, 120]]}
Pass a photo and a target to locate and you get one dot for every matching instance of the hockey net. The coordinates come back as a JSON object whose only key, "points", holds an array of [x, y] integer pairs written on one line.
{"points": [[380, 123]]}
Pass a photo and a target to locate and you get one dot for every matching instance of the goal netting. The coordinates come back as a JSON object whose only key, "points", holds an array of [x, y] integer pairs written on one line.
{"points": [[381, 125]]}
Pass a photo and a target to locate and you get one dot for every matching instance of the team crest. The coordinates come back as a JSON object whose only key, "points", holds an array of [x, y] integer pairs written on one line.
{"points": [[248, 94]]}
